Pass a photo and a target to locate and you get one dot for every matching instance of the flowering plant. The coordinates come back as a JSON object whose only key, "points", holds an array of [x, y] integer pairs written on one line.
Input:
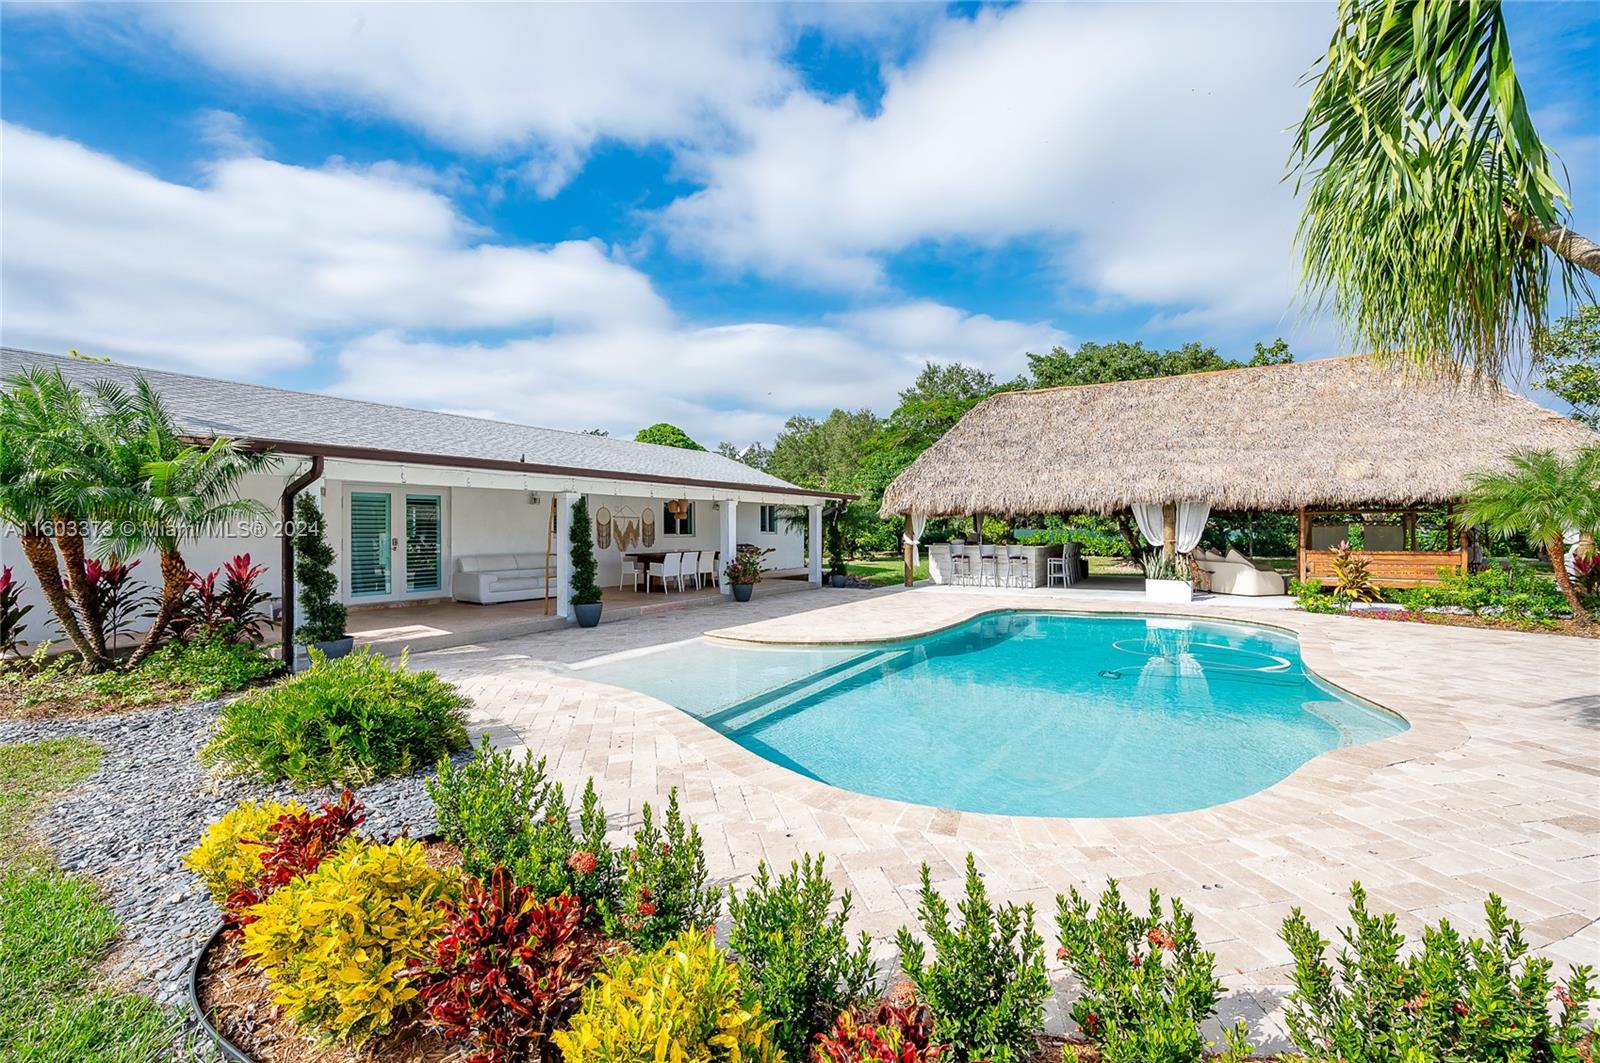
{"points": [[233, 612], [11, 613], [891, 1032], [745, 568]]}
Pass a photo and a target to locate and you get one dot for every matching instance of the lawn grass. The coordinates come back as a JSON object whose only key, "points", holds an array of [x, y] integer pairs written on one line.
{"points": [[54, 929], [884, 571]]}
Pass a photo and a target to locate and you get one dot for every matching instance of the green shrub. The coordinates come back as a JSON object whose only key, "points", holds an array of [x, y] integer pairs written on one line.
{"points": [[682, 1003], [663, 882], [1493, 592], [199, 670], [341, 722], [505, 812], [1313, 599], [1455, 999], [1147, 984], [322, 616], [792, 947], [585, 590], [338, 945], [987, 984]]}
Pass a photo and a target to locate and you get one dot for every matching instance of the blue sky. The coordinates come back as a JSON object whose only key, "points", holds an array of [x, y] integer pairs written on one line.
{"points": [[603, 216]]}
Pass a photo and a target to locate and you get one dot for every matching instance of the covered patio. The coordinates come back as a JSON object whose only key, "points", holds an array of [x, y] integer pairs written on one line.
{"points": [[1361, 451]]}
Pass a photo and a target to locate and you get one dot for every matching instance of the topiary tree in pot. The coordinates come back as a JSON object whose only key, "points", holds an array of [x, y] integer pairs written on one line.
{"points": [[585, 588], [322, 615]]}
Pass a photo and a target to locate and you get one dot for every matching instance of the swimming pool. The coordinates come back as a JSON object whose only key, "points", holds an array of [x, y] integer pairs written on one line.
{"points": [[1026, 714]]}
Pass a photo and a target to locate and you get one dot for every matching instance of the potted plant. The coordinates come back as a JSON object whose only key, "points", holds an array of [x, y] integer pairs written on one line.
{"points": [[744, 571], [322, 616], [1166, 579], [585, 590], [838, 575]]}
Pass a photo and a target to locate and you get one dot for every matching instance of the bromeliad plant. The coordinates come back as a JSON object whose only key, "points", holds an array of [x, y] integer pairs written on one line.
{"points": [[1352, 580], [986, 983], [234, 612], [791, 944], [12, 612], [1454, 999], [1158, 566], [508, 972], [1147, 984]]}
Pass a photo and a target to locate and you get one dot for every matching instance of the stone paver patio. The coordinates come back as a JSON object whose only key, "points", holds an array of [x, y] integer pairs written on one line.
{"points": [[1494, 787]]}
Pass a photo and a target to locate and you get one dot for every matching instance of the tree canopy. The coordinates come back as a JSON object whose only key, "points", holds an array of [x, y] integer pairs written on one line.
{"points": [[1567, 362], [667, 435], [1101, 363]]}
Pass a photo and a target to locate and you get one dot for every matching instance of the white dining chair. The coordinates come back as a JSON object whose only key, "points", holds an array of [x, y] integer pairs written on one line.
{"points": [[690, 569], [707, 568], [631, 569], [669, 567]]}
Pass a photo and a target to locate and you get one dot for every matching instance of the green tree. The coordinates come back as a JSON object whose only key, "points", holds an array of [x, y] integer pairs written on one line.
{"points": [[44, 496], [1567, 360], [322, 615], [667, 435], [585, 589], [824, 454], [159, 491], [1542, 495], [1433, 217], [756, 455]]}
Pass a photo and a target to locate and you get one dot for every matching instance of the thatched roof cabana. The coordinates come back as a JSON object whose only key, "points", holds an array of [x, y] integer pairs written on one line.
{"points": [[1334, 432]]}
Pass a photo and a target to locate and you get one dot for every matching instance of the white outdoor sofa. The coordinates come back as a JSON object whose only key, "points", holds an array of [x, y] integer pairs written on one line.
{"points": [[1233, 573], [488, 579]]}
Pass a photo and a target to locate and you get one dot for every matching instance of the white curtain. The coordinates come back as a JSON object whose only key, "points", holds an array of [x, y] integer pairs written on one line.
{"points": [[1148, 516], [1191, 524], [913, 535]]}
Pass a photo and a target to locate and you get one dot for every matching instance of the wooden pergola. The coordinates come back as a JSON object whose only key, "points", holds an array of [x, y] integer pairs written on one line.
{"points": [[1404, 567]]}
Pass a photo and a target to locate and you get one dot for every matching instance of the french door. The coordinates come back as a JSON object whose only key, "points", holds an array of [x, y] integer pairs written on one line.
{"points": [[423, 561], [371, 544]]}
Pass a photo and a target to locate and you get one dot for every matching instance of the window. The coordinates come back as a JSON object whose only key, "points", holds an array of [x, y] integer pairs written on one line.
{"points": [[769, 518], [675, 525]]}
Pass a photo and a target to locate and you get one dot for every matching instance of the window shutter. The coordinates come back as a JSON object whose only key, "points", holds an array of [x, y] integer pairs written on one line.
{"points": [[422, 543], [369, 543]]}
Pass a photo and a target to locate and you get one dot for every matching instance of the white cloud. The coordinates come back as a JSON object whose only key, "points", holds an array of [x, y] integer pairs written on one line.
{"points": [[1143, 144], [265, 265], [547, 80], [249, 269]]}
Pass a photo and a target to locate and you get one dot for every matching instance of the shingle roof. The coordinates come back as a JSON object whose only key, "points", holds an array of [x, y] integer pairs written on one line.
{"points": [[211, 407]]}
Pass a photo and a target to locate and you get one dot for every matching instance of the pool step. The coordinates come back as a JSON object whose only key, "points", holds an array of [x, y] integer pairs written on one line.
{"points": [[1326, 712], [756, 710]]}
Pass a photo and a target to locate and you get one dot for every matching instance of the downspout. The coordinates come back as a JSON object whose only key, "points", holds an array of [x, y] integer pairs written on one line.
{"points": [[286, 517]]}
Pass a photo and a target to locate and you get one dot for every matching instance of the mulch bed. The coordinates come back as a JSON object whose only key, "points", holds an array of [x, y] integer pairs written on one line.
{"points": [[1559, 627]]}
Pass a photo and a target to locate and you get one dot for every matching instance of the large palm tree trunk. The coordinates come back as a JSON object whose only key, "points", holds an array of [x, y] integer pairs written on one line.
{"points": [[1579, 250], [1557, 549], [174, 581], [40, 551], [70, 542]]}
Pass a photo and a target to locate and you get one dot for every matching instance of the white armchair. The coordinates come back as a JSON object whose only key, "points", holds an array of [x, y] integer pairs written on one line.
{"points": [[669, 567]]}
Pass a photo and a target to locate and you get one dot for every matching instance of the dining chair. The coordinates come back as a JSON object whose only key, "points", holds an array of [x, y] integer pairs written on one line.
{"points": [[669, 567], [630, 568], [707, 568], [690, 568]]}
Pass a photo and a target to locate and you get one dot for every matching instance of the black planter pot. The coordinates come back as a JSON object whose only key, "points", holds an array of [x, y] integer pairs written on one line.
{"points": [[743, 591], [331, 650], [229, 1050], [839, 579], [588, 613]]}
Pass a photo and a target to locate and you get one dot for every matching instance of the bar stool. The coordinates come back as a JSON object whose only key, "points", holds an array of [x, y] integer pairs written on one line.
{"points": [[1055, 568], [960, 571], [987, 560], [1018, 571]]}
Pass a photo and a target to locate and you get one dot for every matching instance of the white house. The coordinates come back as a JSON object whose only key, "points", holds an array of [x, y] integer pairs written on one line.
{"points": [[416, 500]]}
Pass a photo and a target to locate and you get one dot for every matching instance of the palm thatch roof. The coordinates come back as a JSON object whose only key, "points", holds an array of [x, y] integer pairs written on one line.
{"points": [[1334, 432]]}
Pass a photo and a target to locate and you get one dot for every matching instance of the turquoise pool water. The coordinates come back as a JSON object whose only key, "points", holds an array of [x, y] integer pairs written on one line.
{"points": [[1025, 714]]}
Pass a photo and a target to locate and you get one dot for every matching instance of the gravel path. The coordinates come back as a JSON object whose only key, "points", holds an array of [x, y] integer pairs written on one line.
{"points": [[130, 824]]}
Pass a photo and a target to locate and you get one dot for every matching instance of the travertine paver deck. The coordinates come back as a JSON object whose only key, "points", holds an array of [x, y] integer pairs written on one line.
{"points": [[1494, 787]]}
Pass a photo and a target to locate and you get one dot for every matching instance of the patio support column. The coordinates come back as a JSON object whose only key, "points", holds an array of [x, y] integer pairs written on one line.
{"points": [[814, 537], [727, 540], [563, 552]]}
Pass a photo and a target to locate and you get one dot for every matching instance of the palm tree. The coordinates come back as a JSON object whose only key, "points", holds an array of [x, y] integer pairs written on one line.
{"points": [[43, 421], [1433, 217], [161, 490], [1542, 495]]}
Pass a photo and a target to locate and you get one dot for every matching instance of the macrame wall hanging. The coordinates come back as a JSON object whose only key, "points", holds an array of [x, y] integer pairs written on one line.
{"points": [[602, 528], [647, 528], [625, 527]]}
